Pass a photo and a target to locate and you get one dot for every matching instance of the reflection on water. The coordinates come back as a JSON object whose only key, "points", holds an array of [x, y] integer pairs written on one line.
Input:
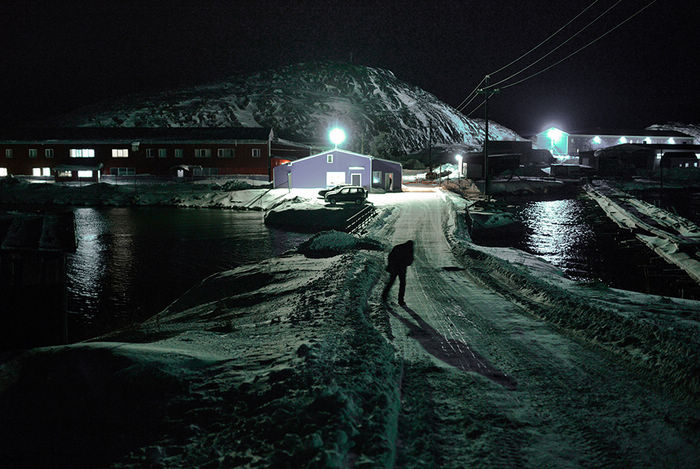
{"points": [[130, 263], [576, 236], [556, 232]]}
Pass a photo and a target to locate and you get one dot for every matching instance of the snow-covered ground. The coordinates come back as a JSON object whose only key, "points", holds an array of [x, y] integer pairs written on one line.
{"points": [[674, 238], [497, 361]]}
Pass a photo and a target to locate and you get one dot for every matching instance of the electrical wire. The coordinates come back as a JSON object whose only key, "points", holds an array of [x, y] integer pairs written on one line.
{"points": [[465, 102], [581, 48], [556, 48], [550, 37], [462, 104]]}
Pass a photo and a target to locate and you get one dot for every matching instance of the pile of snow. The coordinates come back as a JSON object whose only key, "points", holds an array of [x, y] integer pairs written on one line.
{"points": [[333, 243], [674, 238]]}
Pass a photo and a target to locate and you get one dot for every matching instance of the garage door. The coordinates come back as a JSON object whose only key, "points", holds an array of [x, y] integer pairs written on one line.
{"points": [[333, 178]]}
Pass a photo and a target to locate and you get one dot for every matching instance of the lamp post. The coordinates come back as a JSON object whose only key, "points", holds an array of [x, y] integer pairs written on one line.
{"points": [[458, 157]]}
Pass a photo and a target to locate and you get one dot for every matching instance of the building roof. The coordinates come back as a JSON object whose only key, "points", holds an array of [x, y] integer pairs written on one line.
{"points": [[334, 150], [630, 133], [666, 147], [134, 134]]}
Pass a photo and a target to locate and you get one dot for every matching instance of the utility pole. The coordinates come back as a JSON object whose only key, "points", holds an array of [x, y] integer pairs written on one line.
{"points": [[430, 146], [487, 93]]}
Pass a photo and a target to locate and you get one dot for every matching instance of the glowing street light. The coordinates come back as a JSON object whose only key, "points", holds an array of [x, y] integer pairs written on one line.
{"points": [[337, 136], [554, 134], [458, 157]]}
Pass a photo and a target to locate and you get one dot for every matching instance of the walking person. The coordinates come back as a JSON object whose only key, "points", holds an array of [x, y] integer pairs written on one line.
{"points": [[400, 257]]}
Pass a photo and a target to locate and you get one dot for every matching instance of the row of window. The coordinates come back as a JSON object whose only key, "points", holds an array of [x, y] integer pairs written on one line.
{"points": [[150, 152], [597, 140], [46, 172], [33, 153]]}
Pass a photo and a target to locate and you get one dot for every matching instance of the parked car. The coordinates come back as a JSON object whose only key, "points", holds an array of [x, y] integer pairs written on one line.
{"points": [[322, 193], [355, 194]]}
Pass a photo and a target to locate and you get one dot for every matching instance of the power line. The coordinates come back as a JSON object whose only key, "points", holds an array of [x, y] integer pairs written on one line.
{"points": [[470, 97], [550, 37], [558, 47], [463, 104], [585, 46], [572, 54]]}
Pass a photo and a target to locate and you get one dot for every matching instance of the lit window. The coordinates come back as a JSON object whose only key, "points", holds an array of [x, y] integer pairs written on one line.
{"points": [[120, 152], [647, 140], [32, 152], [46, 171], [48, 152], [329, 158], [3, 172], [256, 152], [8, 152], [65, 174], [225, 152], [202, 152], [36, 171], [162, 153], [149, 152], [597, 140], [671, 140], [82, 153], [178, 153], [376, 177], [623, 140], [84, 174]]}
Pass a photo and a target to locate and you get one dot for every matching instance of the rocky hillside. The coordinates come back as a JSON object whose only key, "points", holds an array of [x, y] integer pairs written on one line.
{"points": [[381, 114]]}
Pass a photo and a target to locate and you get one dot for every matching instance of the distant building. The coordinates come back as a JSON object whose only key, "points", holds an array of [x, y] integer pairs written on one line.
{"points": [[641, 160], [505, 156], [564, 144], [334, 167], [88, 153]]}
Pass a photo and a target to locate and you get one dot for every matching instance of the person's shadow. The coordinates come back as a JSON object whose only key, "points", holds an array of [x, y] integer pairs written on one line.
{"points": [[453, 352]]}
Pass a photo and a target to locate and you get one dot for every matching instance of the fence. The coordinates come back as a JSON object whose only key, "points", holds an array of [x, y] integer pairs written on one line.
{"points": [[356, 223]]}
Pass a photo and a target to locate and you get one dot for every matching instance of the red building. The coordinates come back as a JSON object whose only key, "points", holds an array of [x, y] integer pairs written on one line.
{"points": [[87, 153]]}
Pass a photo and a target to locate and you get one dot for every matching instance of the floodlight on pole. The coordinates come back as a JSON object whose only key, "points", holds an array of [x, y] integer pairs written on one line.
{"points": [[458, 157], [337, 136]]}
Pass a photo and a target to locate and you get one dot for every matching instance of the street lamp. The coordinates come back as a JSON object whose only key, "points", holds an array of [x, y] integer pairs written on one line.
{"points": [[337, 136], [458, 157]]}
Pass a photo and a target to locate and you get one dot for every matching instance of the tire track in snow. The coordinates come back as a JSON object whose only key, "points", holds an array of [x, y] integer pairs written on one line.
{"points": [[569, 395]]}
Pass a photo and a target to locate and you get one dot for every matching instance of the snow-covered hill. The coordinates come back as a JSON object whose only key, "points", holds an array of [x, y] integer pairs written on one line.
{"points": [[382, 115]]}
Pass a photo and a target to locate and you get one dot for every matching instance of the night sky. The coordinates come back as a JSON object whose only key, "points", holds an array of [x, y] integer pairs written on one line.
{"points": [[59, 55]]}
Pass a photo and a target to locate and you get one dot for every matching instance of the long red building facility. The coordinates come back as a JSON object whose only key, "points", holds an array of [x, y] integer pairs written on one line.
{"points": [[88, 153]]}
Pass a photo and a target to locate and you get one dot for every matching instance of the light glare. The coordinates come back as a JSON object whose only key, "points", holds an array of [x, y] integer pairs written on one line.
{"points": [[337, 136]]}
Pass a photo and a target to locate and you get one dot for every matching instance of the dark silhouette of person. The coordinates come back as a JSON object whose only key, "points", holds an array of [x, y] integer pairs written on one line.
{"points": [[400, 257]]}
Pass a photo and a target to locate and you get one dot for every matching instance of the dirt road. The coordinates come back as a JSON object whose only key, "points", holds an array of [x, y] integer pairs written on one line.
{"points": [[487, 384]]}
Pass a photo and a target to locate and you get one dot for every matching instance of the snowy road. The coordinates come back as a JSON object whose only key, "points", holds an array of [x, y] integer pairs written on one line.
{"points": [[486, 384]]}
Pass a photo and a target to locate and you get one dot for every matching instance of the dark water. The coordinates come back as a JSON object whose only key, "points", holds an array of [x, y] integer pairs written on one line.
{"points": [[575, 235], [132, 262]]}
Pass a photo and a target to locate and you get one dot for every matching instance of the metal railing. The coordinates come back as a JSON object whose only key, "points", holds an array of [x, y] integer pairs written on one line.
{"points": [[356, 223]]}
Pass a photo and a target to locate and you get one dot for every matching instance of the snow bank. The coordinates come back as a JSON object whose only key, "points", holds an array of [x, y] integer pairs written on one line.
{"points": [[275, 364], [658, 335], [672, 237]]}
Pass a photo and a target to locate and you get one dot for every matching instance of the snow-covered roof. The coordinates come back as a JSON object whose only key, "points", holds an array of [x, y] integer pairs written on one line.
{"points": [[629, 133], [336, 150], [131, 134]]}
